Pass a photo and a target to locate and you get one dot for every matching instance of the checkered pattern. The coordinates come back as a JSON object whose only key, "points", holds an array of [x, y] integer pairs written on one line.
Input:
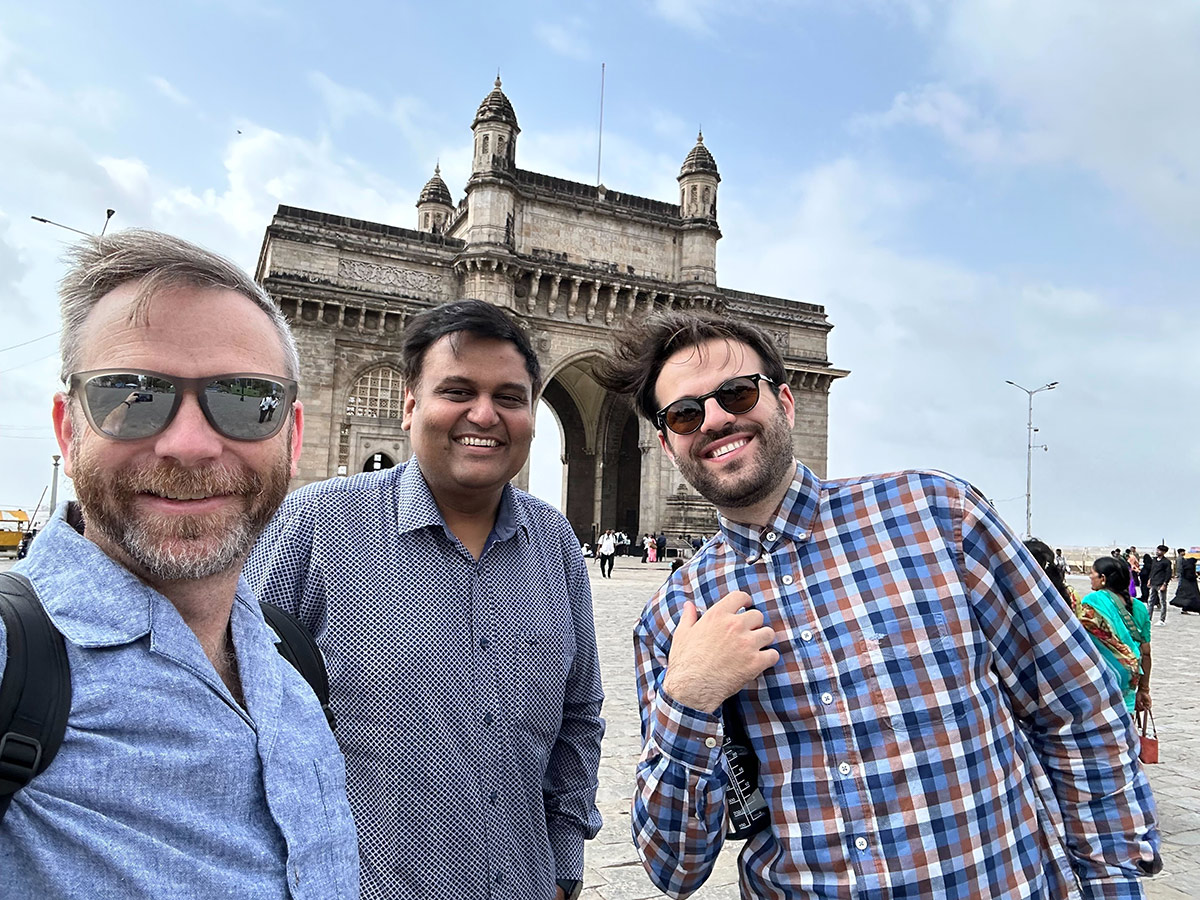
{"points": [[467, 692], [938, 725]]}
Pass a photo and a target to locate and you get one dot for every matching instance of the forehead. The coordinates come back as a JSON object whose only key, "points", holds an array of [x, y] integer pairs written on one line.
{"points": [[181, 330], [701, 368], [474, 358]]}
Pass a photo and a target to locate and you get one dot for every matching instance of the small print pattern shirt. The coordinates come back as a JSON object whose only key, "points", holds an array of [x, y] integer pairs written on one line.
{"points": [[467, 692], [165, 786], [938, 724]]}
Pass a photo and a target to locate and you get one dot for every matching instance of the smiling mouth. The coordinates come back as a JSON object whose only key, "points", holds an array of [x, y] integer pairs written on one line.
{"points": [[477, 442], [728, 448]]}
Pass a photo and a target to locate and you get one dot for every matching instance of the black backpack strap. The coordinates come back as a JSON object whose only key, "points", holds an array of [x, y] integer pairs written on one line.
{"points": [[35, 694], [297, 646]]}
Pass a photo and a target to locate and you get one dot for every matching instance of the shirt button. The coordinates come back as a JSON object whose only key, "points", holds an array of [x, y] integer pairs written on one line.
{"points": [[710, 742], [771, 535], [806, 635], [860, 843], [787, 579], [487, 719], [827, 698], [802, 535], [484, 643], [493, 797], [500, 875], [844, 768], [753, 557]]}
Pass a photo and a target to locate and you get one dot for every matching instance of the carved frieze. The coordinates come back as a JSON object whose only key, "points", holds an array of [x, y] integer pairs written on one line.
{"points": [[387, 278]]}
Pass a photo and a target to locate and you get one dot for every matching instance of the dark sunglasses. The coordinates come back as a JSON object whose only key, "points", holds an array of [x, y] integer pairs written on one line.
{"points": [[737, 395], [131, 404]]}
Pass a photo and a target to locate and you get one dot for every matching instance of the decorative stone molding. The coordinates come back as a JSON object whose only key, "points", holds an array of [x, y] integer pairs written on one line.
{"points": [[384, 277]]}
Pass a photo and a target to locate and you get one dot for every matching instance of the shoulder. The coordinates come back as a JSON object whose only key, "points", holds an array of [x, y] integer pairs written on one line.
{"points": [[363, 489], [905, 481], [541, 518]]}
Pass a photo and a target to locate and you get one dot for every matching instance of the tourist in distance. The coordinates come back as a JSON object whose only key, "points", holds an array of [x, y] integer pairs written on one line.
{"points": [[930, 720], [1040, 551], [455, 612], [1119, 626], [195, 762], [1160, 580], [1187, 593]]}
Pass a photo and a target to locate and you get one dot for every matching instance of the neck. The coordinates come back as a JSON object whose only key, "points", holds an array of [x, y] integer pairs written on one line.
{"points": [[471, 522], [765, 510]]}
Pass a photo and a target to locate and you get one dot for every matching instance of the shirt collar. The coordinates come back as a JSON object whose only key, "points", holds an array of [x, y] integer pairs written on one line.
{"points": [[793, 520], [418, 508]]}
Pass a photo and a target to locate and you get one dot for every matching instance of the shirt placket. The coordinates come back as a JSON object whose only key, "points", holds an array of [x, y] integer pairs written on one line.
{"points": [[821, 677]]}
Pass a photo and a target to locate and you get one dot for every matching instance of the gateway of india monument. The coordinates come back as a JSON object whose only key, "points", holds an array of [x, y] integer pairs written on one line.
{"points": [[573, 262]]}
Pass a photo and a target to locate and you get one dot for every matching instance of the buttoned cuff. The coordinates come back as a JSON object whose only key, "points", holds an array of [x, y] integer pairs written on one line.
{"points": [[566, 845], [687, 736]]}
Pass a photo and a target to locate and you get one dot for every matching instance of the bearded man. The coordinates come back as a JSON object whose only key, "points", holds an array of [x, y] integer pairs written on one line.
{"points": [[196, 761], [929, 717]]}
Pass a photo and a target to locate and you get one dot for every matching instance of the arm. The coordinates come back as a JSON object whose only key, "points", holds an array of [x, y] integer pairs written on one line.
{"points": [[1071, 712], [572, 772], [687, 667], [1142, 701]]}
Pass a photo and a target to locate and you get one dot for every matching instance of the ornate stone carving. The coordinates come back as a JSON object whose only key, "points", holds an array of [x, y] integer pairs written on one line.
{"points": [[381, 276]]}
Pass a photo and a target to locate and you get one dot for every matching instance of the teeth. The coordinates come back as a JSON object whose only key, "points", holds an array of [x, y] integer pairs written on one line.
{"points": [[729, 448], [186, 496], [478, 442]]}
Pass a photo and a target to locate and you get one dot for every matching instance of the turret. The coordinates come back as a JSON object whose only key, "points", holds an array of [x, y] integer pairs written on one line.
{"points": [[435, 205], [698, 180], [496, 131]]}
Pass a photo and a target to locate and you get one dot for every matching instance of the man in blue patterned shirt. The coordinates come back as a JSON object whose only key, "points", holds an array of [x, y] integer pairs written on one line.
{"points": [[455, 615], [196, 762], [929, 718]]}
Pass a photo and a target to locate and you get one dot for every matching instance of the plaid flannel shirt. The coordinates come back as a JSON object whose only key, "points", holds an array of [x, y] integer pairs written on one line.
{"points": [[938, 725]]}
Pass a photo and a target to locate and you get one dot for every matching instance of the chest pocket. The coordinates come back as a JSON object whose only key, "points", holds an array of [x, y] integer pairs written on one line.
{"points": [[543, 659], [910, 654]]}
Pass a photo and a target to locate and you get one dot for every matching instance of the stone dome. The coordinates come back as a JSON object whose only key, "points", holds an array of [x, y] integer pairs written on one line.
{"points": [[496, 108], [699, 160], [435, 190]]}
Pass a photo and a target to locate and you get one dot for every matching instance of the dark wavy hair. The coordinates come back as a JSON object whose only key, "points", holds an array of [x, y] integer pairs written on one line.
{"points": [[644, 347], [1041, 551], [1115, 573]]}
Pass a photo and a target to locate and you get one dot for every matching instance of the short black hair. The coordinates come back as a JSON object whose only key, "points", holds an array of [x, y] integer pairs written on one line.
{"points": [[485, 320], [644, 347]]}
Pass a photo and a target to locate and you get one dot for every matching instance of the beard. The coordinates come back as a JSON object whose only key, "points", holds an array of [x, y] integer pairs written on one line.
{"points": [[741, 484], [178, 547]]}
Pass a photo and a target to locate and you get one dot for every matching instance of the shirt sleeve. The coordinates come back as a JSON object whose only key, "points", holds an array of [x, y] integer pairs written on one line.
{"points": [[678, 815], [1073, 715], [282, 568], [572, 775]]}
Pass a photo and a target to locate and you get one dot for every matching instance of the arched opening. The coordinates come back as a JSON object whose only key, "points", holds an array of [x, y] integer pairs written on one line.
{"points": [[377, 462]]}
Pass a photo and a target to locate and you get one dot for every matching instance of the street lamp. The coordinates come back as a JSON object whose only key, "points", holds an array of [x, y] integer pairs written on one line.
{"points": [[1029, 453]]}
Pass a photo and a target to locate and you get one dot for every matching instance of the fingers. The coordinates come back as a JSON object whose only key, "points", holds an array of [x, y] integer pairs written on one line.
{"points": [[732, 602], [687, 618]]}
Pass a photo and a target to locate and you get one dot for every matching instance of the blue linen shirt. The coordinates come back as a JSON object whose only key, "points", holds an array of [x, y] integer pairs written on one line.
{"points": [[938, 724], [164, 786], [467, 692]]}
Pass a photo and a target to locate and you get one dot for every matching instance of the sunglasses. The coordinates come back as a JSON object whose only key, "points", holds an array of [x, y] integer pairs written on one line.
{"points": [[686, 415], [132, 404]]}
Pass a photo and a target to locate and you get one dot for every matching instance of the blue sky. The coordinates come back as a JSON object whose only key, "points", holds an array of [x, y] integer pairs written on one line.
{"points": [[976, 191]]}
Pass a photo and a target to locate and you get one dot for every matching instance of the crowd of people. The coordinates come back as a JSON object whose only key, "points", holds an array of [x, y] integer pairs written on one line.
{"points": [[918, 705]]}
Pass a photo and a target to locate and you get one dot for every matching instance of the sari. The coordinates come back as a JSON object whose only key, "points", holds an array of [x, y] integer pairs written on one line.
{"points": [[1118, 635]]}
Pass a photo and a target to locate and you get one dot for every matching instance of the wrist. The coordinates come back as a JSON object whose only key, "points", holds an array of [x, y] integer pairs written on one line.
{"points": [[692, 694]]}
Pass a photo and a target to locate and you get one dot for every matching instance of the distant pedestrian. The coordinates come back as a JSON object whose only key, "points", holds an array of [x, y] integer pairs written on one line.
{"points": [[1040, 551], [1144, 576], [606, 550], [661, 545], [1135, 570], [1160, 577], [647, 540], [1061, 561], [651, 548], [1187, 593], [1120, 628]]}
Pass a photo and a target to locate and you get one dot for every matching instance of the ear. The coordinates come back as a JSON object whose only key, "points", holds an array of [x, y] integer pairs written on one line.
{"points": [[666, 447], [788, 402], [410, 403], [297, 434], [64, 428]]}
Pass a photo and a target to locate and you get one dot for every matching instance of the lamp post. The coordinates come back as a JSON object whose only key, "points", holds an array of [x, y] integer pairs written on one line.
{"points": [[1029, 453], [54, 485]]}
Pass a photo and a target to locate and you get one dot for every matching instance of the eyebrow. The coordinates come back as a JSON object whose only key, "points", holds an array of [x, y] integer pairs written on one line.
{"points": [[511, 386]]}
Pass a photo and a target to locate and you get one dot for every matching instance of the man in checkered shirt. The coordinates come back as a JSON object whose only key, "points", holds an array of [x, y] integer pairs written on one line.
{"points": [[455, 614], [929, 718]]}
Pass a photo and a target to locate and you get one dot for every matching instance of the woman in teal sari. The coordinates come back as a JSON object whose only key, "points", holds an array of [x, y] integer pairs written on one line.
{"points": [[1120, 627]]}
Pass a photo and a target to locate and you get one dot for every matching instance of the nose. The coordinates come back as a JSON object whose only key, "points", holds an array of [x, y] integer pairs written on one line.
{"points": [[483, 411], [716, 418], [189, 438]]}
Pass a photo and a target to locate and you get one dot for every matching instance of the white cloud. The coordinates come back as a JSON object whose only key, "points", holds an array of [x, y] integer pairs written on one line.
{"points": [[169, 90], [343, 103], [564, 39], [691, 15]]}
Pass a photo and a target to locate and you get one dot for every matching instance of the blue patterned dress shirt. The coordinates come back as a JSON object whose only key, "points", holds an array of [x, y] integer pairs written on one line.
{"points": [[467, 691], [164, 786], [938, 725]]}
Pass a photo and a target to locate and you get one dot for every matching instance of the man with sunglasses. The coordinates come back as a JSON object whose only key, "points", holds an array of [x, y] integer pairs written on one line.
{"points": [[196, 762], [928, 717]]}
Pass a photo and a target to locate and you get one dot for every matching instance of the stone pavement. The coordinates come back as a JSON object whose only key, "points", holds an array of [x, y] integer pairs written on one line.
{"points": [[614, 873]]}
